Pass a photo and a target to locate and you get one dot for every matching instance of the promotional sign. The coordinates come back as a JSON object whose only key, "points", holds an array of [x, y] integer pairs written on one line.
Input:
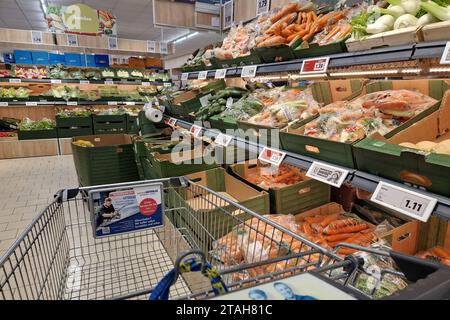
{"points": [[272, 156], [410, 203], [305, 286], [151, 46], [327, 174], [81, 19], [126, 209], [316, 65]]}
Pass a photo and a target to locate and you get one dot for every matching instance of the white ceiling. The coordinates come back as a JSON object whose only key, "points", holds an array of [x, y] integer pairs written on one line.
{"points": [[134, 20]]}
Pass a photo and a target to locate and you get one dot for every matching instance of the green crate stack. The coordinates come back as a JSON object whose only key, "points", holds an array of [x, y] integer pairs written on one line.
{"points": [[110, 124], [74, 126], [37, 134]]}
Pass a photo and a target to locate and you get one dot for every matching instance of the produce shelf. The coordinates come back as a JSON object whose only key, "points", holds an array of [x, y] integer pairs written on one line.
{"points": [[83, 81], [356, 178], [425, 50], [79, 103]]}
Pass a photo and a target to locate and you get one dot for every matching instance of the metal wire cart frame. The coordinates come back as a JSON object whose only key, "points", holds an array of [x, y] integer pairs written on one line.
{"points": [[57, 256]]}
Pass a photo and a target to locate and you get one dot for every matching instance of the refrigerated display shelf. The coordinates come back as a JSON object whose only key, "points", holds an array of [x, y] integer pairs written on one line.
{"points": [[425, 50], [356, 178], [86, 81], [69, 103]]}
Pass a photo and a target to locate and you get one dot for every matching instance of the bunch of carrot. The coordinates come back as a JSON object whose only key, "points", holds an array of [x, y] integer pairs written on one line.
{"points": [[295, 22], [286, 175]]}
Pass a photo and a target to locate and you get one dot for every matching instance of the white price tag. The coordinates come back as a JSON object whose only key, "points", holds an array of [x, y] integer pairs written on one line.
{"points": [[195, 130], [228, 10], [55, 81], [31, 103], [72, 40], [223, 140], [172, 122], [445, 59], [72, 103], [109, 82], [163, 48], [316, 65], [207, 124], [36, 37], [249, 71], [145, 84], [220, 74], [410, 203], [167, 84], [130, 103], [272, 156], [204, 100], [184, 76], [229, 102], [3, 104], [202, 75], [151, 46], [15, 80], [262, 6], [112, 103], [112, 43], [325, 173], [84, 82]]}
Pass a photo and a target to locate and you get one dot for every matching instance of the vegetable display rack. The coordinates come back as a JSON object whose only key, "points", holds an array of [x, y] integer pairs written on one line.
{"points": [[72, 257]]}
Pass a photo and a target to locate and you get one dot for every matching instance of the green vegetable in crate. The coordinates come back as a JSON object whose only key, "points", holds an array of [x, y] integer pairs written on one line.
{"points": [[73, 113], [245, 108], [30, 125], [218, 103], [14, 92]]}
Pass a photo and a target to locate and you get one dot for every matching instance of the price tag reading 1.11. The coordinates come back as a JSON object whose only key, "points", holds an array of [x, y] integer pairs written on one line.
{"points": [[249, 71], [272, 156], [410, 203], [316, 65], [220, 74], [331, 175], [195, 130]]}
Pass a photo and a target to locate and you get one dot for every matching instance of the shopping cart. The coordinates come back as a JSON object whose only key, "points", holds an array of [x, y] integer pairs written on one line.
{"points": [[57, 256]]}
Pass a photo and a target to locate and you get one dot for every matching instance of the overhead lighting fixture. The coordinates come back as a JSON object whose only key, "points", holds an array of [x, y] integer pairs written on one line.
{"points": [[185, 37], [412, 70], [439, 70], [364, 73]]}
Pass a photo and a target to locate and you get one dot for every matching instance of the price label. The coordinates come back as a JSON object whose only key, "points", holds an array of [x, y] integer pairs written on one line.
{"points": [[325, 173], [15, 80], [31, 103], [172, 122], [445, 59], [167, 84], [112, 103], [410, 203], [228, 9], [163, 48], [109, 82], [220, 74], [72, 40], [184, 76], [84, 82], [272, 156], [202, 75], [195, 130], [249, 71], [223, 140], [36, 37], [262, 6], [3, 104], [151, 46], [316, 65], [72, 103], [204, 100], [55, 81], [207, 124], [229, 102], [130, 103], [145, 84], [112, 43]]}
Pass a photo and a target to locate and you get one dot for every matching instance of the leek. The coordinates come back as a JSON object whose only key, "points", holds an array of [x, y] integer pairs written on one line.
{"points": [[442, 13]]}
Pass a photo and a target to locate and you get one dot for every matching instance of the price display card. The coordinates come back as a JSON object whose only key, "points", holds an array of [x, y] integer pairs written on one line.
{"points": [[202, 75], [249, 71], [72, 103], [15, 81], [220, 74], [410, 203], [84, 82], [316, 65], [195, 130], [272, 156], [445, 59], [223, 140], [184, 76], [172, 122], [262, 6], [325, 173]]}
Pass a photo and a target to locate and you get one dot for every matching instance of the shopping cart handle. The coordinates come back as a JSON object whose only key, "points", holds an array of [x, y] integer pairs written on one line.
{"points": [[65, 194]]}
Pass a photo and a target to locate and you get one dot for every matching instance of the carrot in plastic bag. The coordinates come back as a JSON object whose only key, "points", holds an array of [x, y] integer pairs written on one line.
{"points": [[345, 226]]}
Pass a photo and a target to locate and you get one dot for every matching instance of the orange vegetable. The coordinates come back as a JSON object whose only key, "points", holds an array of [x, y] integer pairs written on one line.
{"points": [[300, 27], [339, 237], [272, 41], [286, 33], [315, 219], [290, 8], [345, 226], [441, 252], [329, 219], [334, 31]]}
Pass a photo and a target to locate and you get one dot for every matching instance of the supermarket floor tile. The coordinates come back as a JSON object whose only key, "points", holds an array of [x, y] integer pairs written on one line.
{"points": [[28, 185]]}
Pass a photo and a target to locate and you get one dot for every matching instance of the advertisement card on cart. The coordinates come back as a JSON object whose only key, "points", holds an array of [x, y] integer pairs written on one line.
{"points": [[119, 210]]}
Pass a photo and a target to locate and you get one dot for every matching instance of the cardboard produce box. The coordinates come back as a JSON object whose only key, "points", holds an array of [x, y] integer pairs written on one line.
{"points": [[294, 198], [210, 217], [341, 153], [436, 31], [110, 161], [410, 165]]}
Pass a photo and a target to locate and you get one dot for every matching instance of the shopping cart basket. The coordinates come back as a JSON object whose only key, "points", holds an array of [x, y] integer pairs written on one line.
{"points": [[57, 256]]}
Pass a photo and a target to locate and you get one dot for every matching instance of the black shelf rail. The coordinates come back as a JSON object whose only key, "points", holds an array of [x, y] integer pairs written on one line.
{"points": [[356, 178], [85, 81], [72, 103], [425, 50]]}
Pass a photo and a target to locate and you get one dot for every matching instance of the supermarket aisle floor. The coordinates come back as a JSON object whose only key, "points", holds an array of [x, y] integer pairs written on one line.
{"points": [[26, 187]]}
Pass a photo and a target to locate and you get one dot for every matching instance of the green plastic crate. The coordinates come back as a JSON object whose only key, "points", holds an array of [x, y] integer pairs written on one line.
{"points": [[74, 126], [293, 199], [223, 123], [262, 134], [248, 60], [37, 134], [314, 50], [132, 124], [275, 54], [216, 217], [110, 124], [111, 161]]}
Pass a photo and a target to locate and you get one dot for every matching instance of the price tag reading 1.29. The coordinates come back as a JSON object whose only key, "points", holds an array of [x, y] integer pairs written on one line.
{"points": [[410, 203], [195, 130], [249, 71], [272, 156]]}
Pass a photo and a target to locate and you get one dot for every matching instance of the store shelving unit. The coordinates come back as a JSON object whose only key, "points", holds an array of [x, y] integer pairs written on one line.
{"points": [[85, 81], [356, 178]]}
